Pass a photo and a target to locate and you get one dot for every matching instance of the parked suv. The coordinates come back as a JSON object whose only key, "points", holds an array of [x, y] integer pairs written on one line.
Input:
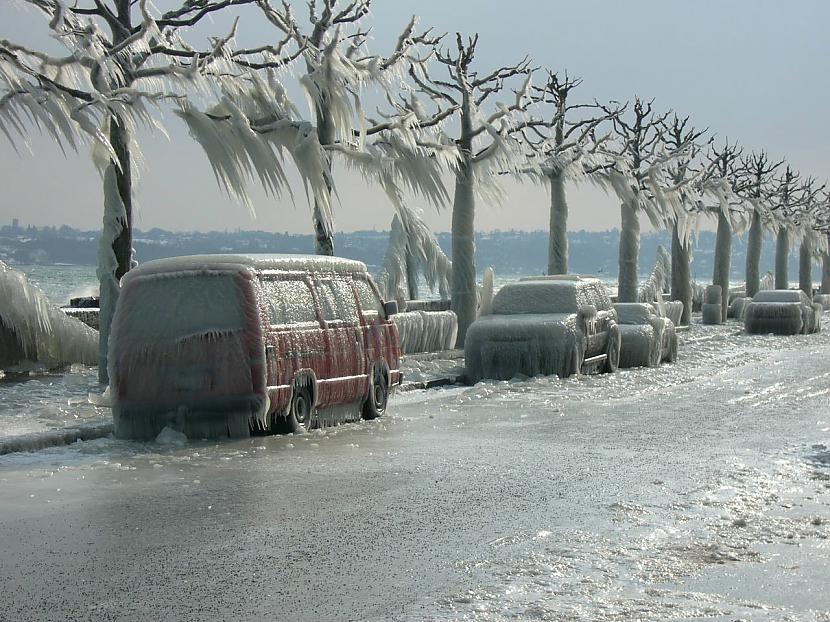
{"points": [[222, 345], [544, 325]]}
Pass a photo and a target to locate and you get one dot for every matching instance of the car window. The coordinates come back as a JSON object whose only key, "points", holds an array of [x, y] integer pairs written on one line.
{"points": [[289, 302], [337, 301], [369, 300], [346, 307], [328, 302]]}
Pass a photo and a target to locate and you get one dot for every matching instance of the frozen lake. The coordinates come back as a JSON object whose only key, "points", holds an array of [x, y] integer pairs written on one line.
{"points": [[696, 490]]}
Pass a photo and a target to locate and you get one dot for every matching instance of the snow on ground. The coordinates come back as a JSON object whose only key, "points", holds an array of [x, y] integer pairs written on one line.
{"points": [[698, 489]]}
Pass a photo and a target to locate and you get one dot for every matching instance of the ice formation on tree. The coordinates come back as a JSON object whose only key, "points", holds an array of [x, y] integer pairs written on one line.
{"points": [[659, 280], [413, 250], [34, 332]]}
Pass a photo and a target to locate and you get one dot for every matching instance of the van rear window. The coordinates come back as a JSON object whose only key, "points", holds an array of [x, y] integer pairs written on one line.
{"points": [[181, 305]]}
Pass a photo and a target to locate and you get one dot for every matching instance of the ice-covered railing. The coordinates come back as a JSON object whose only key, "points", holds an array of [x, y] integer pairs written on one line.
{"points": [[426, 331], [35, 333]]}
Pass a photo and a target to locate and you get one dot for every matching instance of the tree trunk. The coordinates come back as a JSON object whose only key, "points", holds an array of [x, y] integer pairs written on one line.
{"points": [[753, 255], [115, 246], [628, 279], [411, 274], [825, 270], [782, 257], [681, 278], [723, 260], [323, 228], [805, 266], [558, 242], [463, 252]]}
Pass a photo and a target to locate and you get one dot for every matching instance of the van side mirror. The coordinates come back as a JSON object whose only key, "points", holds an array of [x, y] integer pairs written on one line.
{"points": [[390, 308]]}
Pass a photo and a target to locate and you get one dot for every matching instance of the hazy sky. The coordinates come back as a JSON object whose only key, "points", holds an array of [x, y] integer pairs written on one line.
{"points": [[753, 70]]}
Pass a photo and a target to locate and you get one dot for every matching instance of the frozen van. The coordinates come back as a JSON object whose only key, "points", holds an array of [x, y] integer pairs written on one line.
{"points": [[227, 345]]}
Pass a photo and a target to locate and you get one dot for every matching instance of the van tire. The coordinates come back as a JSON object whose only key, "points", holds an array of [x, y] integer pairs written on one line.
{"points": [[378, 397], [300, 410]]}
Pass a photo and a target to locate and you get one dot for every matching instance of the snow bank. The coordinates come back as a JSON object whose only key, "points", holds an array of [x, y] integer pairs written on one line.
{"points": [[426, 331], [35, 333]]}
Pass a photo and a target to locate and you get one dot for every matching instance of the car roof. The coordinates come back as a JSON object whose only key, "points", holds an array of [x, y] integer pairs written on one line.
{"points": [[255, 261]]}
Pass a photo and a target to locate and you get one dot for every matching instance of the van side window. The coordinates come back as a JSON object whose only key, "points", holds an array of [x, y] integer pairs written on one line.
{"points": [[369, 300], [337, 301], [328, 303], [289, 302]]}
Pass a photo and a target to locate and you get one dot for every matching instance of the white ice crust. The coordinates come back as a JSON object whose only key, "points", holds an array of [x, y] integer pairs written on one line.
{"points": [[276, 262], [46, 336]]}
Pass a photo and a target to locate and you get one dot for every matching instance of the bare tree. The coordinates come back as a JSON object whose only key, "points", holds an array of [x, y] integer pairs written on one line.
{"points": [[486, 146], [682, 138], [337, 70], [120, 59], [757, 171], [566, 155], [783, 206], [722, 181], [806, 219], [639, 144]]}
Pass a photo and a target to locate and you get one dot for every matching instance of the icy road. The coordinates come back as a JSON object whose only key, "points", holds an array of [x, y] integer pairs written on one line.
{"points": [[700, 489]]}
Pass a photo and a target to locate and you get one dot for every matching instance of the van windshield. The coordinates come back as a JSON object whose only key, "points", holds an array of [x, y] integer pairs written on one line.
{"points": [[185, 304]]}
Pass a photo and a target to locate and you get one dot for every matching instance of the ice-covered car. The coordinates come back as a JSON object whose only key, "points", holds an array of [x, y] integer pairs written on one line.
{"points": [[647, 338], [783, 312], [220, 345], [544, 326]]}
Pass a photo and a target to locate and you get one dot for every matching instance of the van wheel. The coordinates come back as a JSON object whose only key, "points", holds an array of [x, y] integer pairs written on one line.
{"points": [[301, 410], [375, 404]]}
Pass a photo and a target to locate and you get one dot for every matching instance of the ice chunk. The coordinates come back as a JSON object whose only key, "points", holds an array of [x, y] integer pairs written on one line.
{"points": [[33, 332]]}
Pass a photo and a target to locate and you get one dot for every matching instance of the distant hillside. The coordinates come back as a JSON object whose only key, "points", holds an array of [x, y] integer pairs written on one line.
{"points": [[509, 252]]}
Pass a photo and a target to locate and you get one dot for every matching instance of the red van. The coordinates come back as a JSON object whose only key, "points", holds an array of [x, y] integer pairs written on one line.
{"points": [[226, 345]]}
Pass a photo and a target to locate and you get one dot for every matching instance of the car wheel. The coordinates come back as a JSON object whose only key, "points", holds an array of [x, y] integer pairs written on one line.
{"points": [[301, 410], [655, 351], [575, 364], [612, 350], [378, 396], [671, 357]]}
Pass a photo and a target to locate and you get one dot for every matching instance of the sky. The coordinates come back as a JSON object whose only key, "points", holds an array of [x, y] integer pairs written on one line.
{"points": [[754, 71]]}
